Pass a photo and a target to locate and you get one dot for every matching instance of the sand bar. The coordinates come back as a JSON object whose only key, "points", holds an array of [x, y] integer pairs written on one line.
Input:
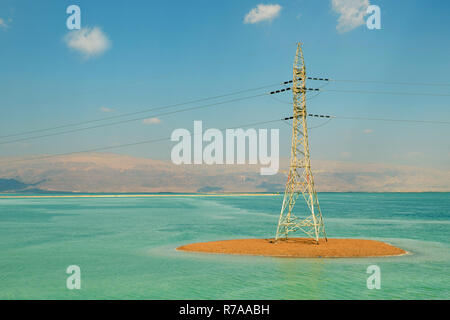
{"points": [[298, 248]]}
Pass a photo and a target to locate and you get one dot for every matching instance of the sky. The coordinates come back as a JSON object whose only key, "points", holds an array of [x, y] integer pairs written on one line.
{"points": [[131, 56]]}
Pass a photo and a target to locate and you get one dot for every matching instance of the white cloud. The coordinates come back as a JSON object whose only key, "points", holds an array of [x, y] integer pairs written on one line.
{"points": [[151, 121], [88, 41], [105, 109], [3, 24], [367, 131], [351, 13], [263, 12]]}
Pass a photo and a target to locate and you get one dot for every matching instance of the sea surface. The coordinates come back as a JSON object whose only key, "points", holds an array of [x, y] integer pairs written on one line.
{"points": [[125, 248]]}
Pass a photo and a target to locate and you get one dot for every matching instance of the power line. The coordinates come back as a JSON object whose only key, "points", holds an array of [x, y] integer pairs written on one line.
{"points": [[383, 82], [318, 90], [372, 119], [199, 107], [394, 83], [126, 144], [142, 118], [143, 111], [130, 120], [378, 92], [329, 117], [222, 96], [390, 92], [394, 120]]}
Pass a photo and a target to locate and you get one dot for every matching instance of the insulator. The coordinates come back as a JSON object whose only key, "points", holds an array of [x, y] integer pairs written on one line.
{"points": [[320, 79]]}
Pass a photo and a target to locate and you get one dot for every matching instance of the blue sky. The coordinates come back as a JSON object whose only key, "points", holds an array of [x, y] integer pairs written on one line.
{"points": [[162, 53]]}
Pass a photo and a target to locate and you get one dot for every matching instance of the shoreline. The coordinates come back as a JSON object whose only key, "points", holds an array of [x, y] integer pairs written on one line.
{"points": [[143, 195], [139, 195], [407, 253]]}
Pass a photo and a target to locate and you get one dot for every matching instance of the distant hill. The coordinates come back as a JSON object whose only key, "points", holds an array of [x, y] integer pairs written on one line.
{"points": [[11, 185], [108, 172]]}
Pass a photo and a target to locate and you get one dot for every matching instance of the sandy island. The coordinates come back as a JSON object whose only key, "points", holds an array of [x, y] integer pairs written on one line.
{"points": [[298, 248]]}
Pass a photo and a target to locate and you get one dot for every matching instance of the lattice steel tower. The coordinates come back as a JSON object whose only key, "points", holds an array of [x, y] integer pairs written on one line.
{"points": [[300, 179]]}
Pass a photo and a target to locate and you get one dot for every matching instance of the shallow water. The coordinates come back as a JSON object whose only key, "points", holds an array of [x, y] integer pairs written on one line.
{"points": [[125, 248]]}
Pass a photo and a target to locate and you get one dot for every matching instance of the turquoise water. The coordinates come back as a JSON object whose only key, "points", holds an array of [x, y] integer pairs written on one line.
{"points": [[125, 248]]}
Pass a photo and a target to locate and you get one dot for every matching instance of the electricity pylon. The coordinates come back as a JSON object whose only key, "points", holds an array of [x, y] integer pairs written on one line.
{"points": [[300, 179]]}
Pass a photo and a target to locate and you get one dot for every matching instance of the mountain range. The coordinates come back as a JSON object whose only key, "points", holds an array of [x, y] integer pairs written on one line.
{"points": [[108, 172]]}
